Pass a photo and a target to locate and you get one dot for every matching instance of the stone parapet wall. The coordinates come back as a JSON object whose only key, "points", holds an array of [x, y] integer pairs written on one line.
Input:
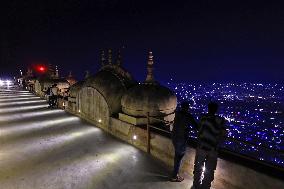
{"points": [[228, 175]]}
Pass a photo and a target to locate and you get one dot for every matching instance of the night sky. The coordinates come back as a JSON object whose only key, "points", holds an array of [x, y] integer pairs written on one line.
{"points": [[201, 41]]}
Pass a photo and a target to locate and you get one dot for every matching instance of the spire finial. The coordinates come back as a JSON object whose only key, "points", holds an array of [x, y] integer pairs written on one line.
{"points": [[109, 56], [56, 72], [103, 58], [150, 69], [70, 74], [87, 74], [119, 58]]}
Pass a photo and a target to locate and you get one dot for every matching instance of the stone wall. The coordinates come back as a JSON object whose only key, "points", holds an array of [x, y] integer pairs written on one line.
{"points": [[227, 176]]}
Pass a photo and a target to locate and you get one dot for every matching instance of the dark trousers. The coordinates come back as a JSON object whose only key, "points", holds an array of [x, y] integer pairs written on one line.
{"points": [[52, 100], [180, 147], [204, 167], [55, 98]]}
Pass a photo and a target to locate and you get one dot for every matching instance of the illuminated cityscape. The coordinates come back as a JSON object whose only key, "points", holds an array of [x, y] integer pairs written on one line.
{"points": [[254, 114], [124, 94]]}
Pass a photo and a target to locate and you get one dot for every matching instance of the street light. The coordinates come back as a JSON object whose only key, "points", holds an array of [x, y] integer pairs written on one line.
{"points": [[8, 82]]}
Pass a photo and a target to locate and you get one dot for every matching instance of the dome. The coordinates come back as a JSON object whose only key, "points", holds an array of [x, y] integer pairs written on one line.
{"points": [[74, 89], [112, 82], [149, 97], [71, 80], [153, 98]]}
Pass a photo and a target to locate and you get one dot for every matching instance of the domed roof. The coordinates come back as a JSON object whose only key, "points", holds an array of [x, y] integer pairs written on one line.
{"points": [[71, 80], [153, 98], [74, 89], [112, 82], [149, 97]]}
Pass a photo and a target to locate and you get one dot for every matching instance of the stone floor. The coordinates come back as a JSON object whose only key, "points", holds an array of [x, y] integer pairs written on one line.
{"points": [[50, 149]]}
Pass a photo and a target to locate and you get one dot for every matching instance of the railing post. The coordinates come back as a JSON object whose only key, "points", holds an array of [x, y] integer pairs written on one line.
{"points": [[148, 134]]}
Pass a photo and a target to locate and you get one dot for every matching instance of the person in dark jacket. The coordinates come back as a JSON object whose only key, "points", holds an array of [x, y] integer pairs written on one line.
{"points": [[183, 119], [211, 132]]}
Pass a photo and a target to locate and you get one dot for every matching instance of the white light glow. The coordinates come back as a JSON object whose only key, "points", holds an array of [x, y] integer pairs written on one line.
{"points": [[23, 128], [16, 96], [20, 116], [19, 99], [20, 103], [134, 137], [21, 108], [100, 120], [8, 82]]}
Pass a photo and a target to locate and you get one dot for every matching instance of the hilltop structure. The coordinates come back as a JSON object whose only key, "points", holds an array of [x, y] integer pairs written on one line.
{"points": [[112, 100], [112, 92]]}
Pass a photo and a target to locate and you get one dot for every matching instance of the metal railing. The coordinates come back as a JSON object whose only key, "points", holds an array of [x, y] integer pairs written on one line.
{"points": [[230, 139]]}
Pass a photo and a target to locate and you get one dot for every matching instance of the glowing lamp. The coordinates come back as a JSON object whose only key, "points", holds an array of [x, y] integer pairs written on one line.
{"points": [[134, 137], [41, 69], [8, 82]]}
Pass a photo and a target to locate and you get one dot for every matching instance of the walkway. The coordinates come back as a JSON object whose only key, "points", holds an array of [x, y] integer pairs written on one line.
{"points": [[51, 149]]}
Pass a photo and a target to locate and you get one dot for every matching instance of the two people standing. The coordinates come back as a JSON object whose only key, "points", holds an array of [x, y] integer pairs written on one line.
{"points": [[211, 130]]}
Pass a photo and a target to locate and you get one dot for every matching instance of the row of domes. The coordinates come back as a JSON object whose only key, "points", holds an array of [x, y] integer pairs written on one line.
{"points": [[123, 93]]}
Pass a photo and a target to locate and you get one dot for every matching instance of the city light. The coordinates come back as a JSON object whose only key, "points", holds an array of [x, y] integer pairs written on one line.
{"points": [[1, 83], [254, 113]]}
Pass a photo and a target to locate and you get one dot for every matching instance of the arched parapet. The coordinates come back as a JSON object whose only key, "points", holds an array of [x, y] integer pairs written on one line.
{"points": [[93, 106], [112, 86]]}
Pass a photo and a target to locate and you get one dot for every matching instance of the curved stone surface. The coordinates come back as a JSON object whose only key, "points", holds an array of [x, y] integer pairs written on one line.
{"points": [[93, 106], [74, 89], [153, 98], [112, 82]]}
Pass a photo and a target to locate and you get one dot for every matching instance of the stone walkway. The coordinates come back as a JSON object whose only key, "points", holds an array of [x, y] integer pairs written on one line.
{"points": [[51, 149]]}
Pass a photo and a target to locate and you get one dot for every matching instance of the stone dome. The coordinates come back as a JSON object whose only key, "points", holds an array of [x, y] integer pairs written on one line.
{"points": [[153, 98], [149, 97], [74, 89], [112, 82], [71, 80]]}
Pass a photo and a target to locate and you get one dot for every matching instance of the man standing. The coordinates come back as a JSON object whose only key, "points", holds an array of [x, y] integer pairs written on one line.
{"points": [[49, 96], [54, 91], [211, 132], [180, 134]]}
